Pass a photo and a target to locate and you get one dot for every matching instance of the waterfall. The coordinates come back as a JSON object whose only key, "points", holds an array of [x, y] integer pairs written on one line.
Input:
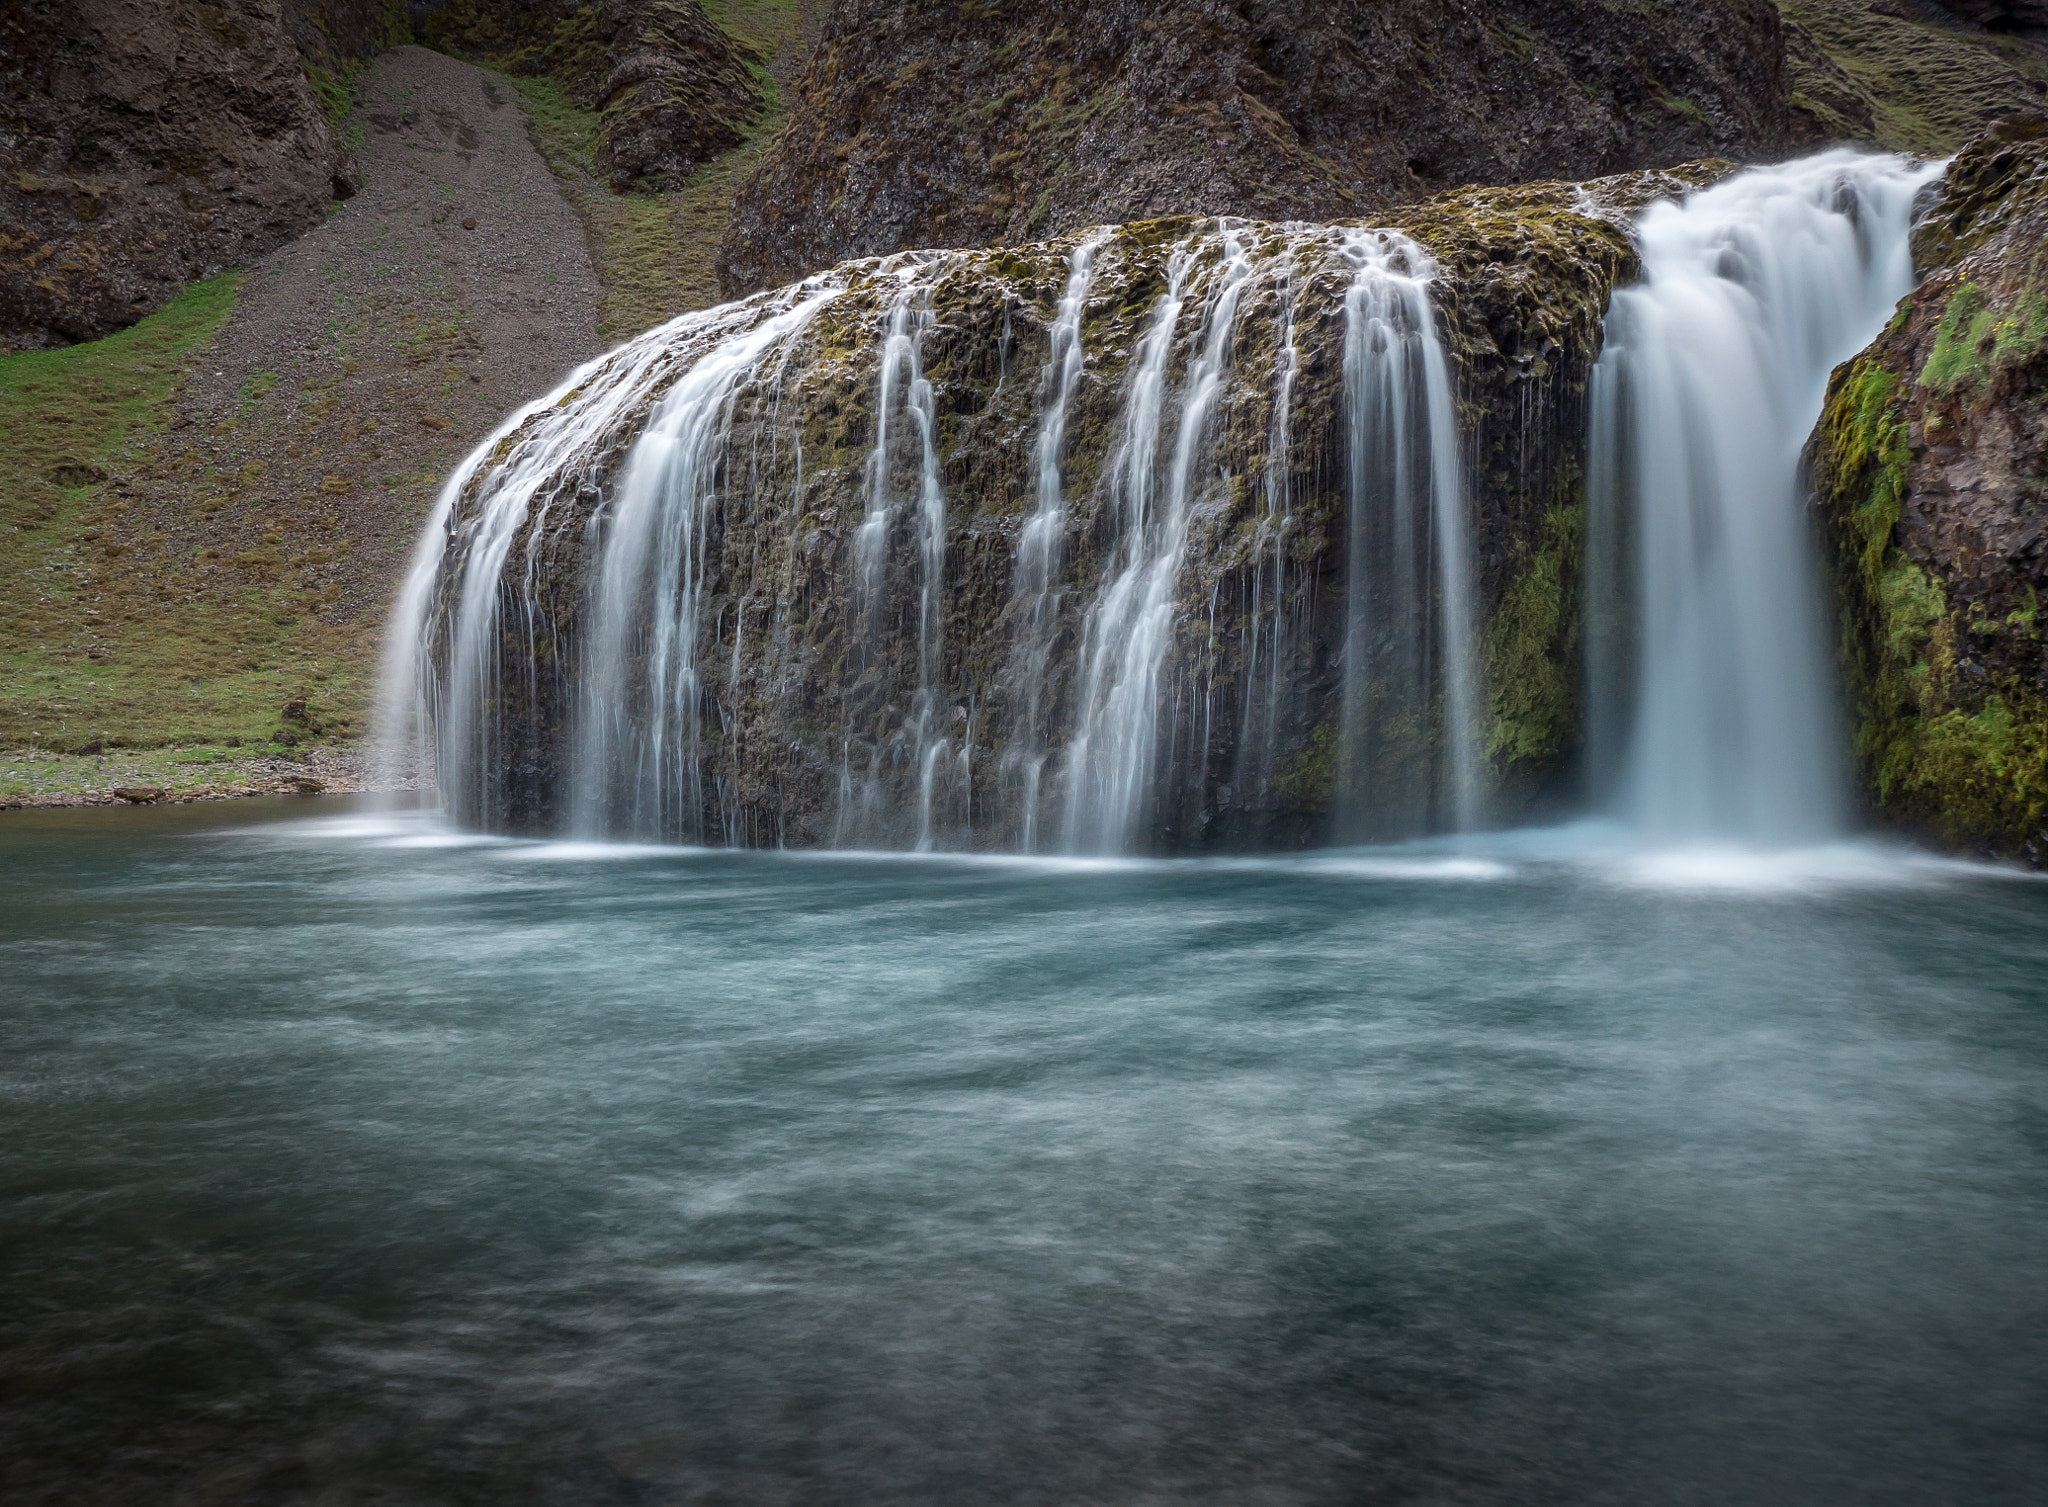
{"points": [[446, 686], [796, 569], [641, 717], [1407, 747], [1267, 650], [1130, 626], [1038, 544], [904, 390], [1713, 702]]}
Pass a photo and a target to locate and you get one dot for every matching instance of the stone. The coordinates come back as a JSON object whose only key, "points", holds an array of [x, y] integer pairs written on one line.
{"points": [[1930, 475], [146, 144], [963, 123]]}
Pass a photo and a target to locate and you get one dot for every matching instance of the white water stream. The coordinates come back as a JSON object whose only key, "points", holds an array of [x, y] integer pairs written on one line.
{"points": [[1408, 662], [1038, 543], [1714, 700]]}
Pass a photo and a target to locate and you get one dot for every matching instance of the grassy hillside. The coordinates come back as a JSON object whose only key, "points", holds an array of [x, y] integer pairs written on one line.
{"points": [[95, 646]]}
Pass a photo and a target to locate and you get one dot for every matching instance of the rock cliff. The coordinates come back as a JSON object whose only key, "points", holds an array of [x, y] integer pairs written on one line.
{"points": [[968, 123], [1931, 482], [143, 145], [671, 89]]}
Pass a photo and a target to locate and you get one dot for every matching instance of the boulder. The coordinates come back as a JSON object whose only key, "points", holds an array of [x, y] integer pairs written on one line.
{"points": [[1930, 469]]}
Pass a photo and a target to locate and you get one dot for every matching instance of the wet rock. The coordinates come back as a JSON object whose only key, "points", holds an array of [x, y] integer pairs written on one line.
{"points": [[140, 795], [805, 692], [306, 785], [1930, 469]]}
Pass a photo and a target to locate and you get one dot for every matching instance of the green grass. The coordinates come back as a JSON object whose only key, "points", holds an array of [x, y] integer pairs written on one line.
{"points": [[107, 628], [656, 253], [39, 771], [759, 24]]}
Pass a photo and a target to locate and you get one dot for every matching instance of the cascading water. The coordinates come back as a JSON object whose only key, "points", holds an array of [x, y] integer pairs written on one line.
{"points": [[641, 717], [1713, 703], [1408, 671], [903, 385], [1038, 543], [796, 568], [1267, 645], [1109, 764], [445, 675]]}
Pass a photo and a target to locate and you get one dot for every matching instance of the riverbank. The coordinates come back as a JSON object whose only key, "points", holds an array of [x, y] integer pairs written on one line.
{"points": [[39, 778]]}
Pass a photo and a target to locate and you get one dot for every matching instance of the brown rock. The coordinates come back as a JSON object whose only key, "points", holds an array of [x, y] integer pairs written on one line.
{"points": [[144, 143], [1930, 473], [139, 795], [965, 123], [673, 88]]}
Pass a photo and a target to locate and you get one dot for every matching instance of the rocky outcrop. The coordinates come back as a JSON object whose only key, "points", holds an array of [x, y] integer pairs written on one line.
{"points": [[672, 89], [967, 123], [146, 143], [816, 666], [1931, 481]]}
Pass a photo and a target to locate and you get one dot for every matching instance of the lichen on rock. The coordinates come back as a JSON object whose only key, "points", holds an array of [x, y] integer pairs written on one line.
{"points": [[1930, 470]]}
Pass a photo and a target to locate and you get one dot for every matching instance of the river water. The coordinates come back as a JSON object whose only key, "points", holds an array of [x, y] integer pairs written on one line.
{"points": [[350, 1160]]}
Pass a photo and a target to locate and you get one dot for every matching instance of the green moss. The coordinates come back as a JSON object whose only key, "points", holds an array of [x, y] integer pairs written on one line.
{"points": [[1530, 656], [1976, 339], [1939, 748], [1988, 767], [1913, 603], [1308, 781], [1866, 439]]}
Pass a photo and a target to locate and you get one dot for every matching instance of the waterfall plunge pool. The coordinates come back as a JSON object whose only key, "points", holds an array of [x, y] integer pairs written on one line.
{"points": [[351, 1158]]}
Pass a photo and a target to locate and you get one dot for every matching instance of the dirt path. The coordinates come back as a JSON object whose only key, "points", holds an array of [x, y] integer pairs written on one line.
{"points": [[241, 559]]}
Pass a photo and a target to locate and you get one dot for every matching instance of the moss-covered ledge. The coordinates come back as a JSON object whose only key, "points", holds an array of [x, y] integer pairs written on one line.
{"points": [[1930, 471]]}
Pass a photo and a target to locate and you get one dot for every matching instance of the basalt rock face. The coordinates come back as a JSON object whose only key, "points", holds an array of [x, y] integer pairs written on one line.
{"points": [[1931, 482], [867, 560], [966, 123], [146, 143], [671, 88]]}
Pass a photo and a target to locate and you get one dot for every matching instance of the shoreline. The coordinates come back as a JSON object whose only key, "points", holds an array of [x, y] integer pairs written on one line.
{"points": [[166, 776]]}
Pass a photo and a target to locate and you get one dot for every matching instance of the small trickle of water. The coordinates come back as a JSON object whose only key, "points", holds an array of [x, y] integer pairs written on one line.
{"points": [[1409, 678], [1111, 761], [1268, 644], [1038, 543], [1714, 703]]}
